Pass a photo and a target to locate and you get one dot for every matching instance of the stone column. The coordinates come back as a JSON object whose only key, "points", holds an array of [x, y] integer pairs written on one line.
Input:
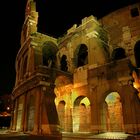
{"points": [[49, 116], [130, 111], [95, 114], [37, 111], [23, 112], [15, 115], [68, 120]]}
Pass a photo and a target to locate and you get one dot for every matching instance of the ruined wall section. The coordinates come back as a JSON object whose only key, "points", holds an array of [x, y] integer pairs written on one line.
{"points": [[123, 26], [30, 56], [91, 34]]}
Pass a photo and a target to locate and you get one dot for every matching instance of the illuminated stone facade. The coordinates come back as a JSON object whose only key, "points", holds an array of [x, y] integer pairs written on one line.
{"points": [[82, 82]]}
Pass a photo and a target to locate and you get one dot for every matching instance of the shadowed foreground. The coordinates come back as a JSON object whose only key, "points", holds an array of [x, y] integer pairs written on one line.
{"points": [[7, 135]]}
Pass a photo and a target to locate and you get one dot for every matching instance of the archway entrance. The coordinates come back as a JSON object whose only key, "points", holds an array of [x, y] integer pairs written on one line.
{"points": [[49, 51], [114, 116], [81, 115], [63, 102]]}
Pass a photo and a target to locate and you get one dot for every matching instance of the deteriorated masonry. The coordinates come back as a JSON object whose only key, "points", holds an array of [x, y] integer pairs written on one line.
{"points": [[86, 81]]}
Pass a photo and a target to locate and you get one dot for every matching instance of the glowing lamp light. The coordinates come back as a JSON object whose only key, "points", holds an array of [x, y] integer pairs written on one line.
{"points": [[8, 108], [136, 85]]}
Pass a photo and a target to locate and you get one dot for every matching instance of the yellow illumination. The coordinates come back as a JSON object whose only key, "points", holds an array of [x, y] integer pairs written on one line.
{"points": [[136, 85], [85, 101]]}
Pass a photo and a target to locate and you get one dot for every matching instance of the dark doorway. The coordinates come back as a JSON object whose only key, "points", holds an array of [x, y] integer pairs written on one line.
{"points": [[63, 62], [82, 55], [118, 53], [137, 53]]}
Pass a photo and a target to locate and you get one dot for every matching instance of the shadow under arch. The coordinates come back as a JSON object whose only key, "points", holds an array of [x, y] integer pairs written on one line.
{"points": [[118, 53], [49, 50], [81, 55], [63, 63]]}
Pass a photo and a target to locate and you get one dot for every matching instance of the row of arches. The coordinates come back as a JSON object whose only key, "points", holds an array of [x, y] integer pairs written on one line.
{"points": [[80, 117], [50, 50], [81, 55]]}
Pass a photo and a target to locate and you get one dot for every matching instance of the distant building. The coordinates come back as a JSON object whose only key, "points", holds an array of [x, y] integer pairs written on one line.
{"points": [[86, 81]]}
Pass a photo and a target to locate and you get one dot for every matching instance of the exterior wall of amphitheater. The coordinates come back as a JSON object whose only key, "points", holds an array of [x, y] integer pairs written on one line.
{"points": [[79, 83]]}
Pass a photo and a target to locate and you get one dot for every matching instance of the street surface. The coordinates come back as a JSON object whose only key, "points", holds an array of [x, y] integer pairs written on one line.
{"points": [[7, 135]]}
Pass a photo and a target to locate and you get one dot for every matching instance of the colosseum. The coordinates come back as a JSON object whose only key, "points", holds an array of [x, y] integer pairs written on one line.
{"points": [[86, 81]]}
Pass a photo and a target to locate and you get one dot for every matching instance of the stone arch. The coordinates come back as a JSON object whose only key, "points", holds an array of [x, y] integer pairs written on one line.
{"points": [[81, 55], [63, 85], [118, 53], [63, 63], [114, 116], [63, 91], [49, 50], [137, 53], [81, 114]]}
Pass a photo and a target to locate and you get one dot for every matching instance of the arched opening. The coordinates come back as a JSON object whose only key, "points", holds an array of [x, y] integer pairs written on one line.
{"points": [[81, 115], [114, 115], [118, 53], [81, 55], [63, 101], [61, 115], [49, 51], [137, 53], [63, 63]]}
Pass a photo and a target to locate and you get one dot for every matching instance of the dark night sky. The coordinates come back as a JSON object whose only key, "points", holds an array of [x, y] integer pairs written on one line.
{"points": [[55, 17]]}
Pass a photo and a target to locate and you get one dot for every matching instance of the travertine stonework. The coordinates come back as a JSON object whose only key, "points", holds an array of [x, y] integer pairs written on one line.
{"points": [[85, 81]]}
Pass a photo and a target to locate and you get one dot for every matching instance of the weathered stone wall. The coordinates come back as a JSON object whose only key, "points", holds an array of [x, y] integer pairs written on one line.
{"points": [[123, 29]]}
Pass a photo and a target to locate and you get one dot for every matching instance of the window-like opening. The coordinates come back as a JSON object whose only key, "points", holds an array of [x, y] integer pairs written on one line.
{"points": [[134, 12], [82, 55], [63, 62], [137, 53], [48, 59], [49, 54], [118, 53]]}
